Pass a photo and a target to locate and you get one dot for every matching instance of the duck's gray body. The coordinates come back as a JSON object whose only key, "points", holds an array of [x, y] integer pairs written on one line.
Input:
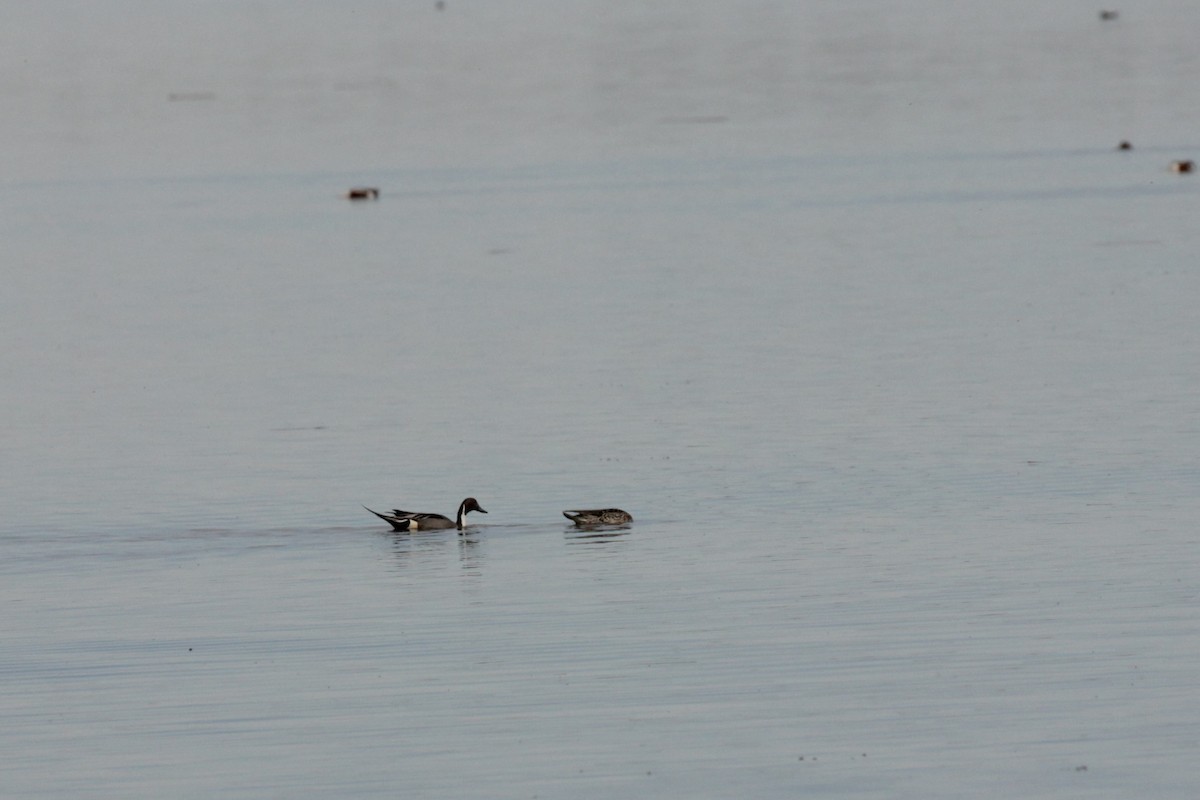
{"points": [[417, 521], [599, 516]]}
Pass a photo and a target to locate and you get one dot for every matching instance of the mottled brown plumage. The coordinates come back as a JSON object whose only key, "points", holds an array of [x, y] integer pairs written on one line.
{"points": [[599, 516]]}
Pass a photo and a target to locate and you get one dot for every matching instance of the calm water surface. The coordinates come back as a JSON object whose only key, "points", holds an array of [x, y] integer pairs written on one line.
{"points": [[892, 357]]}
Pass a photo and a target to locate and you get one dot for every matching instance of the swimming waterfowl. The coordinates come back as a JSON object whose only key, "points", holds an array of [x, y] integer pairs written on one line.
{"points": [[599, 516], [415, 521], [363, 193], [1182, 166]]}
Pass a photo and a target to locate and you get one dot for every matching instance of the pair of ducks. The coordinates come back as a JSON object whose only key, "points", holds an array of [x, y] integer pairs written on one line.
{"points": [[415, 521]]}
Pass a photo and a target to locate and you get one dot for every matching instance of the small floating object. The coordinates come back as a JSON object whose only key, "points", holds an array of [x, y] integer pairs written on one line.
{"points": [[363, 193], [1182, 166], [599, 516], [1124, 144], [1108, 16]]}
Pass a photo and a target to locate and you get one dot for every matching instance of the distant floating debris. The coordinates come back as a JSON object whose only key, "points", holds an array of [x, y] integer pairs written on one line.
{"points": [[1125, 144], [363, 193], [191, 97], [1109, 16], [1182, 166]]}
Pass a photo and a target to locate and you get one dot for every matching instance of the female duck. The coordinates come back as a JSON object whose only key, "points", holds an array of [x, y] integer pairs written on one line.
{"points": [[414, 521], [599, 516]]}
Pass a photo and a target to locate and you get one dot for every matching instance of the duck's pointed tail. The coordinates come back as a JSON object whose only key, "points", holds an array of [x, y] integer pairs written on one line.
{"points": [[397, 524]]}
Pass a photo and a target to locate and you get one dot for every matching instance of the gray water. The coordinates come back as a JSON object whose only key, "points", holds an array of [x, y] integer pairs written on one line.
{"points": [[892, 356]]}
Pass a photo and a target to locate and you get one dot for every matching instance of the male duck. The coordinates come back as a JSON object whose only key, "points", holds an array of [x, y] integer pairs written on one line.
{"points": [[410, 521], [599, 516]]}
